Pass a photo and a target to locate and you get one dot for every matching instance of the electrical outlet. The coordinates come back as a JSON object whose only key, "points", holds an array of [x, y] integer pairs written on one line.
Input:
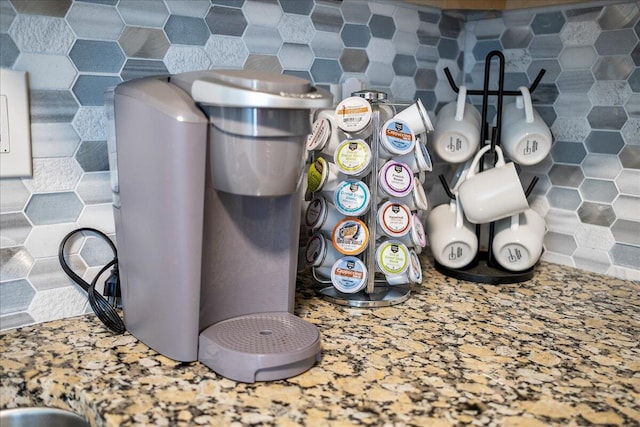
{"points": [[15, 133]]}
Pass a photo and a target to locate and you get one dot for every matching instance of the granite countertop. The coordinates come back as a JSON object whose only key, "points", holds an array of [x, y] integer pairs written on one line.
{"points": [[560, 349]]}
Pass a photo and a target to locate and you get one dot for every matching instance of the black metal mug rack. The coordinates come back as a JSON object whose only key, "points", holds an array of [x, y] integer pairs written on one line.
{"points": [[484, 269]]}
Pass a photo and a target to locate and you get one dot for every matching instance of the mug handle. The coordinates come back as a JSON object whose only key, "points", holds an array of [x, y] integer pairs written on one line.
{"points": [[454, 204], [528, 106], [479, 154], [515, 221], [462, 98]]}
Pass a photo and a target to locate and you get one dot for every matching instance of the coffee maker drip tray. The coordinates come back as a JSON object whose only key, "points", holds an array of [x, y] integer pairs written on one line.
{"points": [[260, 347]]}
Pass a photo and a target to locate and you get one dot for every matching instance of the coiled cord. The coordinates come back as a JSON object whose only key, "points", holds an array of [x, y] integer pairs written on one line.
{"points": [[105, 310]]}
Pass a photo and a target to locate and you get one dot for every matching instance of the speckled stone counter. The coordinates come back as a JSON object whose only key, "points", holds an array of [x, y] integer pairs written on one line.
{"points": [[560, 349]]}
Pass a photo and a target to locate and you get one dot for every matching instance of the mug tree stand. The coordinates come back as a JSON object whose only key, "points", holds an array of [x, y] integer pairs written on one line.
{"points": [[484, 269]]}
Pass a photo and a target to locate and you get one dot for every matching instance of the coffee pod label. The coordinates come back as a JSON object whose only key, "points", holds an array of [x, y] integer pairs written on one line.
{"points": [[316, 213], [397, 138], [349, 275], [396, 179], [317, 175], [350, 236], [415, 269], [395, 218], [392, 257], [353, 114], [320, 132], [315, 250], [352, 156], [352, 197], [419, 234]]}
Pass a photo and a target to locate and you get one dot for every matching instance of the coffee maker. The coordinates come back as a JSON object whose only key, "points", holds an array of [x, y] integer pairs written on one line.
{"points": [[206, 174]]}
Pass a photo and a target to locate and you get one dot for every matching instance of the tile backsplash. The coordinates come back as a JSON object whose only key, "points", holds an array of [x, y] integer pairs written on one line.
{"points": [[589, 188]]}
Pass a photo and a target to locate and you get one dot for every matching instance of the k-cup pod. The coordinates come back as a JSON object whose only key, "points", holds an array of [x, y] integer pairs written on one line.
{"points": [[320, 254], [413, 274], [325, 134], [526, 138], [416, 117], [417, 199], [394, 219], [352, 197], [387, 111], [492, 194], [353, 157], [350, 236], [452, 238], [517, 241], [392, 258], [395, 179], [396, 139], [322, 175], [321, 216], [353, 115], [349, 275], [418, 159], [457, 130], [415, 237]]}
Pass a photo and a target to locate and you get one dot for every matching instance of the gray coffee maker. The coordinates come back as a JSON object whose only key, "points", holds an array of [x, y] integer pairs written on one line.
{"points": [[206, 172]]}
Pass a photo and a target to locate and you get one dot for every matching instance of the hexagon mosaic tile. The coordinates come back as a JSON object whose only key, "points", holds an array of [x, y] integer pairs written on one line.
{"points": [[74, 49]]}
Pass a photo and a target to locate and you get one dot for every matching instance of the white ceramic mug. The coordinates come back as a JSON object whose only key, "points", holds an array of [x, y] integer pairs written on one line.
{"points": [[492, 194], [526, 138], [457, 131], [416, 116], [517, 241], [452, 238]]}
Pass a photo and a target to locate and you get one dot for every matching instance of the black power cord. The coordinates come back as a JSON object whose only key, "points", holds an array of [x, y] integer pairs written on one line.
{"points": [[103, 308]]}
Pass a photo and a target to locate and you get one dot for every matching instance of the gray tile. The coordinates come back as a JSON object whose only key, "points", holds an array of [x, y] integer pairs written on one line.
{"points": [[596, 214], [137, 68], [15, 229], [262, 40], [604, 142], [516, 37], [564, 198], [598, 190], [187, 30], [47, 71], [613, 67], [628, 182], [403, 89], [551, 70], [56, 8], [426, 79], [15, 320], [7, 14], [562, 220], [264, 13], [299, 7], [227, 51], [626, 232], [631, 131], [89, 123], [327, 45], [404, 65], [610, 92], [547, 23], [95, 21], [583, 14], [382, 26], [627, 207], [16, 263], [582, 33], [90, 89], [619, 16], [547, 113], [144, 13], [548, 46], [561, 243], [194, 8], [296, 29], [403, 42], [226, 21], [230, 3], [545, 94], [572, 105], [295, 56], [575, 81], [15, 296], [577, 57], [633, 106], [603, 166], [92, 156], [635, 54], [607, 118], [149, 43], [625, 255], [103, 2], [634, 80], [428, 34], [180, 59], [570, 128], [267, 63], [52, 106], [8, 51], [327, 18], [630, 157], [298, 73], [353, 60], [381, 50], [450, 25], [14, 195], [589, 259], [566, 175], [47, 274], [594, 237], [53, 208], [97, 56], [568, 152], [95, 188], [326, 71], [406, 20], [482, 48], [41, 34], [488, 28], [96, 252], [380, 74], [448, 48], [617, 42], [355, 35]]}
